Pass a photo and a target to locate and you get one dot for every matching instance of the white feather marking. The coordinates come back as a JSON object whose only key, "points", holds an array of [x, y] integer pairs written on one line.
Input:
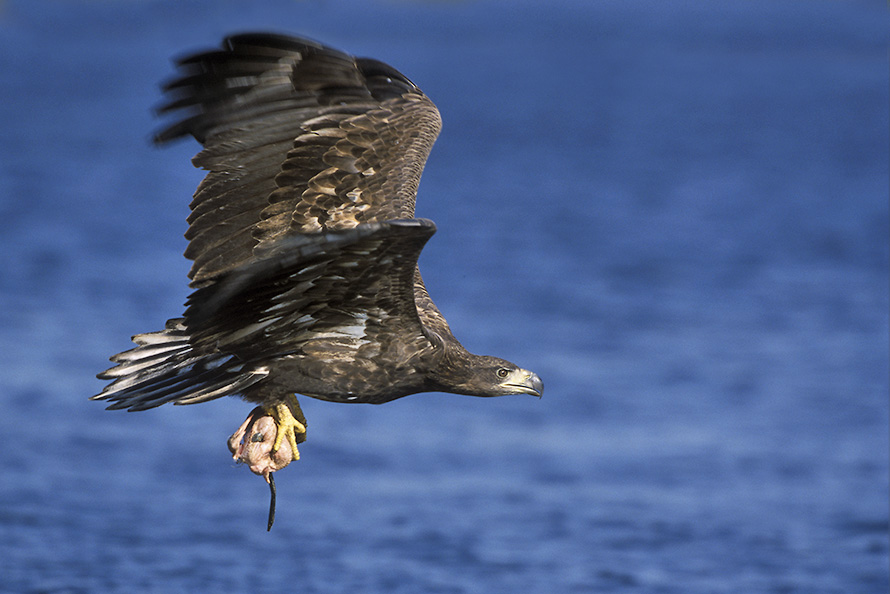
{"points": [[135, 365], [156, 338], [146, 352], [297, 289], [354, 331], [249, 329], [185, 369], [308, 269]]}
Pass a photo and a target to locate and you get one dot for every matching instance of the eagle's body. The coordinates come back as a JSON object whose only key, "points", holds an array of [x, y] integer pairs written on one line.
{"points": [[303, 239]]}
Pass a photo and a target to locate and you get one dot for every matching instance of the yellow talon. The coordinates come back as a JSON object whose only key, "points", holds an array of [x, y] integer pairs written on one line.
{"points": [[290, 422]]}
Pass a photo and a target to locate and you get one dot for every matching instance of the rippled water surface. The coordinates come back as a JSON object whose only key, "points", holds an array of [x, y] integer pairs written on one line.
{"points": [[676, 213]]}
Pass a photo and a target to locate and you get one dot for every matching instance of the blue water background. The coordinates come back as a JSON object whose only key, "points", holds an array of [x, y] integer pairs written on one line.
{"points": [[675, 212]]}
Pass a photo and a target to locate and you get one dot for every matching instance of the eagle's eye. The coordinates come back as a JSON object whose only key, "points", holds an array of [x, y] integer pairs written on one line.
{"points": [[503, 372]]}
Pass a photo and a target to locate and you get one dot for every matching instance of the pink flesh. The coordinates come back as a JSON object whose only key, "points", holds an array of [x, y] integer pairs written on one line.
{"points": [[252, 444]]}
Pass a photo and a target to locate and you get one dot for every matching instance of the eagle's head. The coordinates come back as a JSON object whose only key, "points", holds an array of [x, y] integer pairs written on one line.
{"points": [[491, 376]]}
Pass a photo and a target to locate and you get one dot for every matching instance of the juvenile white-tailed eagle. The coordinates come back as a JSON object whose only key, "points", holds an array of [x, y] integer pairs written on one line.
{"points": [[304, 245]]}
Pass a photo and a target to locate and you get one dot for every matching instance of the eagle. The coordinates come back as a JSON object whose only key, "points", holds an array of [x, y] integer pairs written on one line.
{"points": [[304, 247]]}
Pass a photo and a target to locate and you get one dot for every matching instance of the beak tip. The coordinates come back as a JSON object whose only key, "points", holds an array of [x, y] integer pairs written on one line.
{"points": [[537, 385]]}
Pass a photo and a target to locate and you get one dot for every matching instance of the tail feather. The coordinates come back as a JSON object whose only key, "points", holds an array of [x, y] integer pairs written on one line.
{"points": [[164, 368]]}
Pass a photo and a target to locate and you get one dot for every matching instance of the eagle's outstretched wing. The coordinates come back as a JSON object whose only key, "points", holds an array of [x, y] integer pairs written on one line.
{"points": [[298, 137], [336, 307]]}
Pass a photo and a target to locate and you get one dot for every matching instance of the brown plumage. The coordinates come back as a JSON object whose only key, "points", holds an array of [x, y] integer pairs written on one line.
{"points": [[303, 239]]}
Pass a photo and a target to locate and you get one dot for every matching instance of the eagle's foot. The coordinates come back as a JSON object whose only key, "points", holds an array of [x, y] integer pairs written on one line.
{"points": [[291, 425]]}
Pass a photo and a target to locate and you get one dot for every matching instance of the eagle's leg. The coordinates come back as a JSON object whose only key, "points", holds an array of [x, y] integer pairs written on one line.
{"points": [[291, 424]]}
